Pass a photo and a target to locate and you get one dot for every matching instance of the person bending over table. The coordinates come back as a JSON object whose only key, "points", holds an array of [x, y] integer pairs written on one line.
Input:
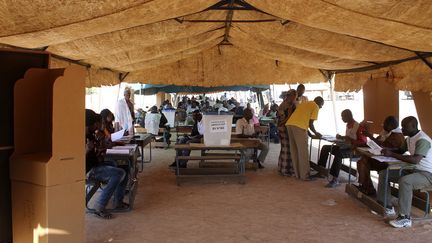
{"points": [[353, 137], [391, 137], [195, 137], [418, 144], [107, 127], [105, 171], [245, 128], [298, 125]]}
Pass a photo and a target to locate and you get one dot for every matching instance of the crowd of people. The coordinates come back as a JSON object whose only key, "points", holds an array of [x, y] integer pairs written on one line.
{"points": [[296, 121], [291, 123]]}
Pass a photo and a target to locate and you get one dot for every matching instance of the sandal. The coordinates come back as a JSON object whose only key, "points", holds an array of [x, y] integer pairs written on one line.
{"points": [[103, 214]]}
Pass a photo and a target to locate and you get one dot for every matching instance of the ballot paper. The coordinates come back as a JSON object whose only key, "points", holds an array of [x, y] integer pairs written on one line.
{"points": [[374, 148], [118, 151], [386, 159], [117, 135], [332, 139]]}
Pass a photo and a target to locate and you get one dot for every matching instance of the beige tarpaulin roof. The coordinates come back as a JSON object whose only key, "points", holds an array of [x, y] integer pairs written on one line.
{"points": [[225, 42]]}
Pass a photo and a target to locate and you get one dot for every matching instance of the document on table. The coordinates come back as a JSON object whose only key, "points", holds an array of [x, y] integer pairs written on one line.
{"points": [[331, 138], [386, 159], [117, 135], [125, 147], [374, 147], [118, 151]]}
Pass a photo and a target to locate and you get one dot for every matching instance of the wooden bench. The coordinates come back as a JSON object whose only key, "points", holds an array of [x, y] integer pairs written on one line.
{"points": [[216, 171]]}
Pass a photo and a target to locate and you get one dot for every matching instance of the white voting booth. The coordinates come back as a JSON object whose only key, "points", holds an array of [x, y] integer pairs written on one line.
{"points": [[170, 116], [217, 130]]}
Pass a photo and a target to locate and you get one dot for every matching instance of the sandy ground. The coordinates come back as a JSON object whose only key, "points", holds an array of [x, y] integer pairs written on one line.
{"points": [[268, 208]]}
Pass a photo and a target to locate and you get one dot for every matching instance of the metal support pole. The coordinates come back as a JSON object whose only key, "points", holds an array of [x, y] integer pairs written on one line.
{"points": [[333, 98]]}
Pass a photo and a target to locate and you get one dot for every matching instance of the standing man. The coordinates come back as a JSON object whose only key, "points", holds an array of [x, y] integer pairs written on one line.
{"points": [[300, 94], [124, 113], [298, 124], [418, 144]]}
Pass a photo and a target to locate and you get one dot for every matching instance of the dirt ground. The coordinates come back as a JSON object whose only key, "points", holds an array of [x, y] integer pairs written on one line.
{"points": [[268, 208]]}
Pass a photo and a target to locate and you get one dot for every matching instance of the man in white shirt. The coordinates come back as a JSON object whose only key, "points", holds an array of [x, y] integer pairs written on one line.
{"points": [[152, 121], [418, 144], [195, 137], [124, 113], [245, 128]]}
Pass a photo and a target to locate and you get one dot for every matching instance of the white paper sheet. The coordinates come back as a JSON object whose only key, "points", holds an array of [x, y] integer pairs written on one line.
{"points": [[117, 135], [374, 147], [381, 158], [118, 151]]}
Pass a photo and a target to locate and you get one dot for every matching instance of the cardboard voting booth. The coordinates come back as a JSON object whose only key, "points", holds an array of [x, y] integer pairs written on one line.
{"points": [[217, 130], [47, 167]]}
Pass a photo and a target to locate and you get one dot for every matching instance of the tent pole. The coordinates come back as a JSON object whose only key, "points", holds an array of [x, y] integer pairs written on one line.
{"points": [[333, 98], [142, 96], [425, 61]]}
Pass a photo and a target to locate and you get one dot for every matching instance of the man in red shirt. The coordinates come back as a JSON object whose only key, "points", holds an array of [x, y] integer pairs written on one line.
{"points": [[353, 137]]}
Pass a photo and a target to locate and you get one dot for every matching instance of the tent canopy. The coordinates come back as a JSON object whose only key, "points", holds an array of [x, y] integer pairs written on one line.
{"points": [[151, 89], [226, 42]]}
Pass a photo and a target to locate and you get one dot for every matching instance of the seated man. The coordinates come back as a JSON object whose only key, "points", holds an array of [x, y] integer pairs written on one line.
{"points": [[392, 138], [245, 128], [195, 137], [353, 137], [418, 144], [104, 171], [153, 120], [156, 119]]}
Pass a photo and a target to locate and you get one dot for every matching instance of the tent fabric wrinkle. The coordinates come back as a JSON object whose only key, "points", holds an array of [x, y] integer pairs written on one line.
{"points": [[190, 43]]}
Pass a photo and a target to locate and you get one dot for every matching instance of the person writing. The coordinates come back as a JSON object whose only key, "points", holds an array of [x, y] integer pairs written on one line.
{"points": [[98, 168], [391, 138], [418, 144], [353, 137]]}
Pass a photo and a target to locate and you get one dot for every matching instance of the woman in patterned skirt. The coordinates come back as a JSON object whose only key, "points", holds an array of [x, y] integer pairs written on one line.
{"points": [[284, 111]]}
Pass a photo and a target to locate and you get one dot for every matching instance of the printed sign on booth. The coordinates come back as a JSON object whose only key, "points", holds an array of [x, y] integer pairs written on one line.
{"points": [[218, 126]]}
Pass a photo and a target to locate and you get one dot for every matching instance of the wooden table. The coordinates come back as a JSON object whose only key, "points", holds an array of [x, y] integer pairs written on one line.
{"points": [[238, 160], [333, 142], [126, 157], [143, 140], [249, 143], [369, 201]]}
